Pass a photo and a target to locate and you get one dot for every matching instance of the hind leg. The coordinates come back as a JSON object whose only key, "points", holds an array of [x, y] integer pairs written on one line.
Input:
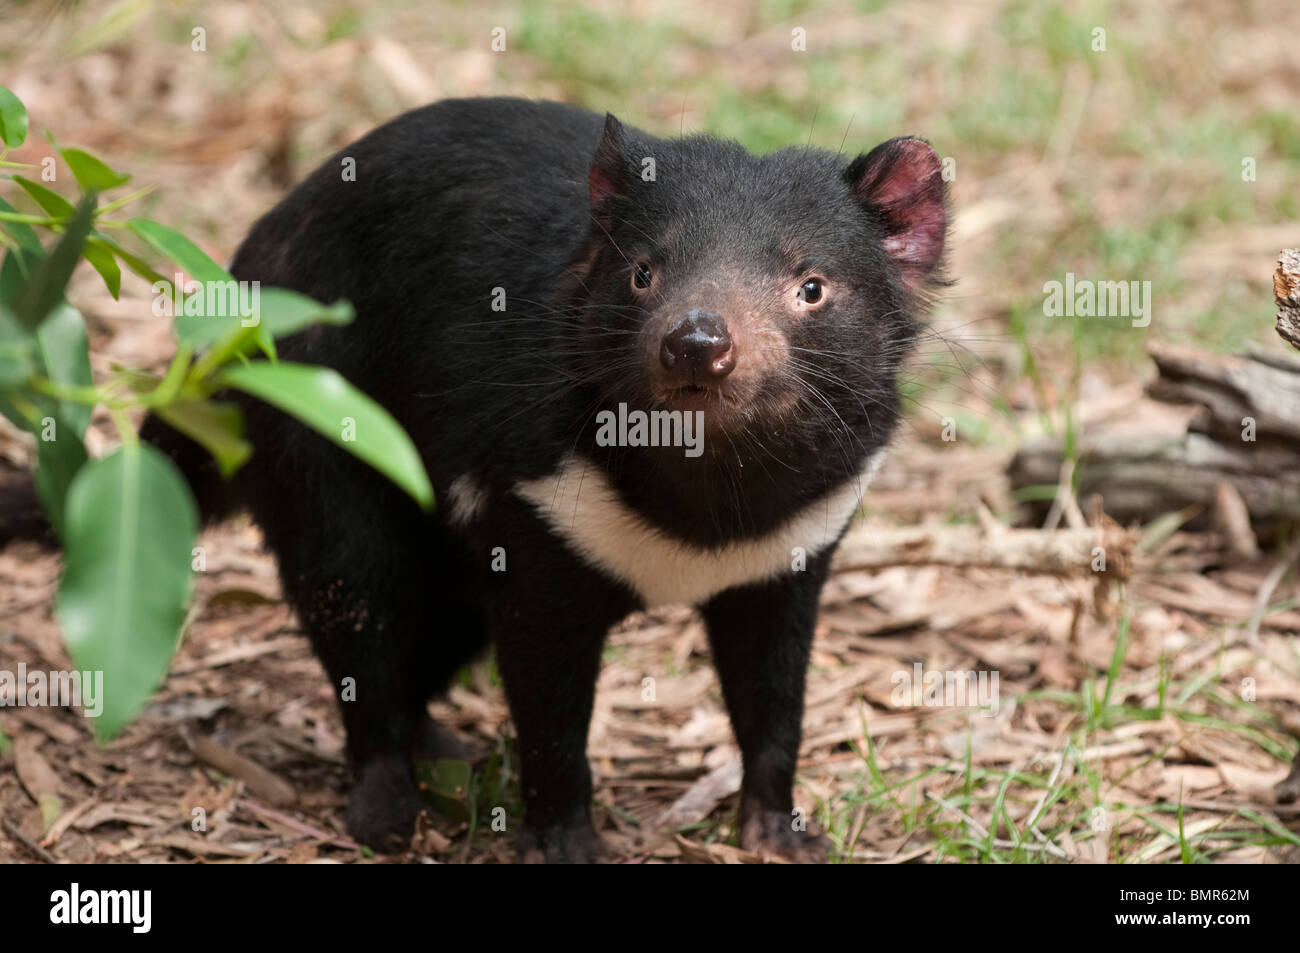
{"points": [[367, 634], [358, 568], [387, 736], [461, 637]]}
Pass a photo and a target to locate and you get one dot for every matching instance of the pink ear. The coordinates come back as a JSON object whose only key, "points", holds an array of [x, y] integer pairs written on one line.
{"points": [[609, 170], [902, 181]]}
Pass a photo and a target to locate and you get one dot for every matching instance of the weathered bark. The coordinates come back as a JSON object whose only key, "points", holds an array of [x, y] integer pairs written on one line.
{"points": [[1286, 289], [1142, 476], [1241, 446], [1232, 390]]}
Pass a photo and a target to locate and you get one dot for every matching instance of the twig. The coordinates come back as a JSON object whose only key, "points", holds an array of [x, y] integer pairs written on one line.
{"points": [[1042, 798], [1101, 752], [1265, 593], [896, 858], [1288, 810], [12, 830], [979, 828], [264, 783], [1065, 503], [296, 825]]}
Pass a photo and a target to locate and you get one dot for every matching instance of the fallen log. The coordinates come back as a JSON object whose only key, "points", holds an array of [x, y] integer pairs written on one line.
{"points": [[1142, 476], [1232, 390], [1241, 445]]}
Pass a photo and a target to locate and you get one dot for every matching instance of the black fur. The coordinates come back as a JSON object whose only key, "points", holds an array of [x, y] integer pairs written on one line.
{"points": [[459, 198]]}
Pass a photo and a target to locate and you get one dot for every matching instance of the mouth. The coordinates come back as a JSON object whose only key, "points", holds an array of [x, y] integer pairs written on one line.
{"points": [[692, 397]]}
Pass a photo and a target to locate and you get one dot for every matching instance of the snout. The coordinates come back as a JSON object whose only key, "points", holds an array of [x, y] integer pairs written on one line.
{"points": [[698, 350]]}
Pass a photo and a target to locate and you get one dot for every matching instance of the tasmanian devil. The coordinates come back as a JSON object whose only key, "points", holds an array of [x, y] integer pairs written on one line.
{"points": [[639, 371]]}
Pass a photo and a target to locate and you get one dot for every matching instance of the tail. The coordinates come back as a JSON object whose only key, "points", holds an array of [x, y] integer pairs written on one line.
{"points": [[23, 518]]}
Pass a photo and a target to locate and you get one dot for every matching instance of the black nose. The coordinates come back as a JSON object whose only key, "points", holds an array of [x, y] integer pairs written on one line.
{"points": [[698, 347]]}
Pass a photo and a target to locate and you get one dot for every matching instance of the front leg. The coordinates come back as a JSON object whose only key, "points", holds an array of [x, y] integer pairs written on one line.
{"points": [[761, 637], [548, 652]]}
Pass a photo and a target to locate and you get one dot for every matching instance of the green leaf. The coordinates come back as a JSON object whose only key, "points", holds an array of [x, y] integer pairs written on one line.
{"points": [[216, 310], [25, 234], [218, 427], [130, 528], [15, 362], [223, 307], [19, 265], [266, 343], [51, 806], [65, 359], [45, 288], [446, 786], [282, 312], [58, 347], [176, 247], [142, 382], [17, 344], [92, 174], [13, 119], [101, 259], [58, 351], [51, 202], [60, 455], [323, 400], [276, 312], [133, 262]]}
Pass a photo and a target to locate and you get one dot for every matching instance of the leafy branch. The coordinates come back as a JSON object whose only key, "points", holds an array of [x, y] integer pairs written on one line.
{"points": [[128, 522]]}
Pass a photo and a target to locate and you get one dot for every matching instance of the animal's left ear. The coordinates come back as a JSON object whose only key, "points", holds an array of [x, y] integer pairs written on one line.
{"points": [[609, 174], [902, 182]]}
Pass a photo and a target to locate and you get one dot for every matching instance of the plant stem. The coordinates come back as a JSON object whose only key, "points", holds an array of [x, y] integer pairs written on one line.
{"points": [[79, 395], [172, 382], [32, 219], [124, 428], [218, 355], [118, 203]]}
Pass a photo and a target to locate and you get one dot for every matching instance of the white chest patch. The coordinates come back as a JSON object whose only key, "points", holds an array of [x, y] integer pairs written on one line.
{"points": [[579, 504], [467, 497]]}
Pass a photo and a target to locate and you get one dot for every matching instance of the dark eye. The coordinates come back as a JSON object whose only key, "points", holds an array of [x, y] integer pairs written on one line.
{"points": [[641, 276], [810, 292]]}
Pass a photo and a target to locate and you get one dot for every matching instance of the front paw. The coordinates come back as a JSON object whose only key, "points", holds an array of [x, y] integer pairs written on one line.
{"points": [[772, 835], [576, 843]]}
